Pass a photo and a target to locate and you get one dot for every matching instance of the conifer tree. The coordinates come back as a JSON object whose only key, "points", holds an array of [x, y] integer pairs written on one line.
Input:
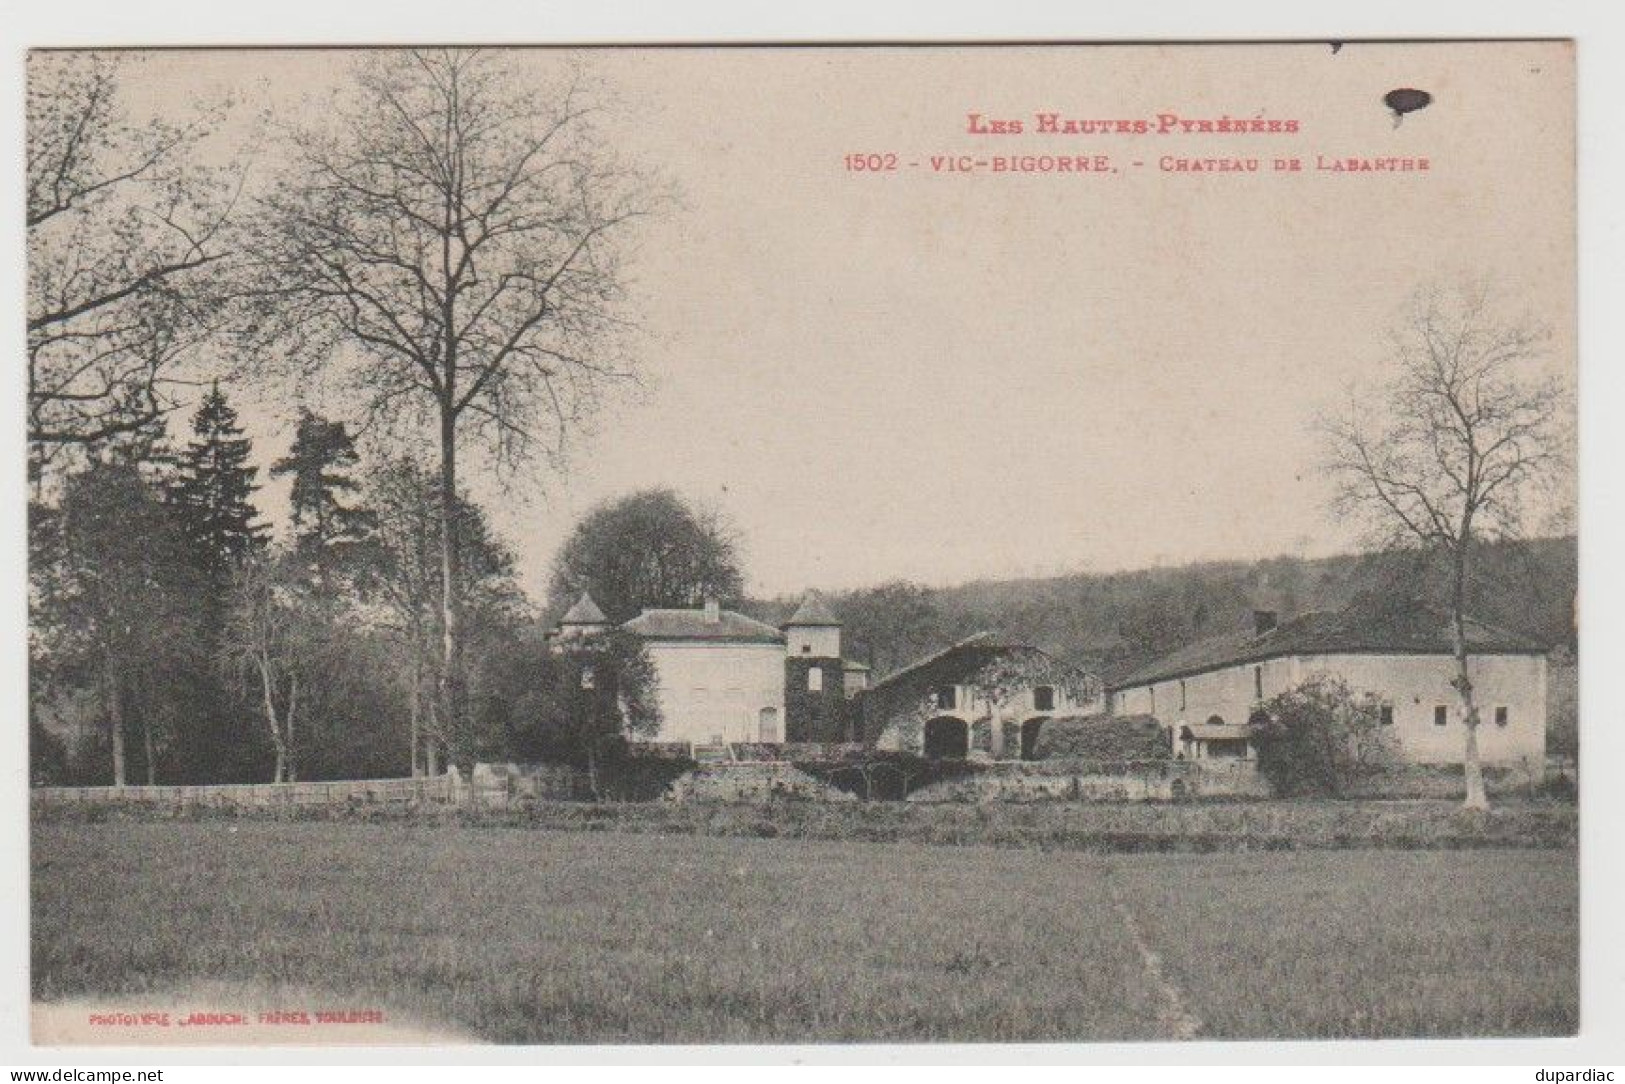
{"points": [[213, 490], [327, 530]]}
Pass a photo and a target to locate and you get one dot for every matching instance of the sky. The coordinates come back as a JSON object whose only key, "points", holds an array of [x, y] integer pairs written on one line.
{"points": [[947, 377]]}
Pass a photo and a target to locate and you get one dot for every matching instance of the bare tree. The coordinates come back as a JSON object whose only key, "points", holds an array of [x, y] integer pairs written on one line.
{"points": [[1452, 457], [271, 634], [125, 231], [455, 235], [405, 554], [403, 559]]}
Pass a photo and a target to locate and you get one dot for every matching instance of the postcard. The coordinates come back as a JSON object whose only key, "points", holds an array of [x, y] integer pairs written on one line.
{"points": [[802, 544]]}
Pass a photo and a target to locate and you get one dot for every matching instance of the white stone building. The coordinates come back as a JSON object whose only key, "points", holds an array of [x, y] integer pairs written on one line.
{"points": [[725, 677], [1207, 693], [721, 674]]}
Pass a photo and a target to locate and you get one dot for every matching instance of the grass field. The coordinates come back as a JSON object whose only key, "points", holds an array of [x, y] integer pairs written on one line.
{"points": [[516, 935]]}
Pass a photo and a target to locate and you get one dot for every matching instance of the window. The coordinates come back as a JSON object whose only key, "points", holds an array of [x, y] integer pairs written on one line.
{"points": [[806, 649], [815, 679], [1181, 694], [945, 697], [1387, 715], [1501, 716], [1044, 698], [1258, 683], [1441, 715], [587, 681]]}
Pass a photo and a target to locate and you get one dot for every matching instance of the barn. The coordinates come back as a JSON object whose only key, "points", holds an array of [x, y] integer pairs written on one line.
{"points": [[987, 696], [1206, 694]]}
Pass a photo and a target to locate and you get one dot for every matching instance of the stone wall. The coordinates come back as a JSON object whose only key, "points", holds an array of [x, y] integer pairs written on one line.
{"points": [[1446, 781], [497, 784], [349, 792], [752, 782], [1032, 782]]}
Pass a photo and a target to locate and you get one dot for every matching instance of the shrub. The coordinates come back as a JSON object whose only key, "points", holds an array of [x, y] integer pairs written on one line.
{"points": [[1558, 786], [1320, 738], [625, 776], [1103, 737]]}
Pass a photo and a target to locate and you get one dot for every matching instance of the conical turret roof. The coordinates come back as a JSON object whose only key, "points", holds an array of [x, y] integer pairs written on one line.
{"points": [[812, 611], [584, 612]]}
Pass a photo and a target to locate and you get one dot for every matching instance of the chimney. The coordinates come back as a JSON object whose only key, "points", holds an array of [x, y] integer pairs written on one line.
{"points": [[713, 611], [1263, 621]]}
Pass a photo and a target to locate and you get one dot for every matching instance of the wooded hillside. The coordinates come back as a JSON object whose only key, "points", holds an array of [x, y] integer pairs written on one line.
{"points": [[1118, 620]]}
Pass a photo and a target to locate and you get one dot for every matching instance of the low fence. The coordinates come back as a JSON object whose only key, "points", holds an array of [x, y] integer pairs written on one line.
{"points": [[438, 789]]}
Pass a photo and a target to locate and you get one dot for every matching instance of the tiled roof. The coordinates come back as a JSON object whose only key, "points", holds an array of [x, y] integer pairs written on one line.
{"points": [[958, 663], [812, 611], [584, 612], [1396, 630], [693, 625]]}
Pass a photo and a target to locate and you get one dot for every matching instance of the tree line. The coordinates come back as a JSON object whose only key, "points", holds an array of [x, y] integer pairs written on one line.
{"points": [[1116, 621], [175, 641], [440, 247]]}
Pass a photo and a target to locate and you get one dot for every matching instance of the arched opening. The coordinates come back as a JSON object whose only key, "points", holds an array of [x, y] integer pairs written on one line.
{"points": [[1029, 736], [947, 738]]}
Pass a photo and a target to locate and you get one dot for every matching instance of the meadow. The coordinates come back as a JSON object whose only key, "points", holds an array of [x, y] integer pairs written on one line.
{"points": [[521, 935]]}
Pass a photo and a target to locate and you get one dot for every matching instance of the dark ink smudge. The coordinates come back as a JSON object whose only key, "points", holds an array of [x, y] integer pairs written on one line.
{"points": [[1406, 100]]}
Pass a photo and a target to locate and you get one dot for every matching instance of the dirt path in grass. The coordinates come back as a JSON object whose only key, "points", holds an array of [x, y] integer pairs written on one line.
{"points": [[231, 1015], [1174, 1019]]}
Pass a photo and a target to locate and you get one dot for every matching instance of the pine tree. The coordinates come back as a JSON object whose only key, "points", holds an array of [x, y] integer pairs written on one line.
{"points": [[326, 529], [213, 488], [211, 493]]}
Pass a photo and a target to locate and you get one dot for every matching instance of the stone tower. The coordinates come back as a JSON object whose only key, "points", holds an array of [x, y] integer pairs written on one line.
{"points": [[815, 707]]}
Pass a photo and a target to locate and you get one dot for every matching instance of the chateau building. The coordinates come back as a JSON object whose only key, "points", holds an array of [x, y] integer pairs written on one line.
{"points": [[726, 677]]}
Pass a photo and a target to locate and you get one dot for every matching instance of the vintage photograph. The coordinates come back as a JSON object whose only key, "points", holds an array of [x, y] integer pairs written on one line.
{"points": [[802, 544]]}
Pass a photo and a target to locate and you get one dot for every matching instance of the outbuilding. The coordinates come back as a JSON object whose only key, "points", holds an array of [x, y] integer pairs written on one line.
{"points": [[1208, 694]]}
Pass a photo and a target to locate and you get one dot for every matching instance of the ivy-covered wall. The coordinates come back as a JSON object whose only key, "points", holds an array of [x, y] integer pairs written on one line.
{"points": [[814, 715]]}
